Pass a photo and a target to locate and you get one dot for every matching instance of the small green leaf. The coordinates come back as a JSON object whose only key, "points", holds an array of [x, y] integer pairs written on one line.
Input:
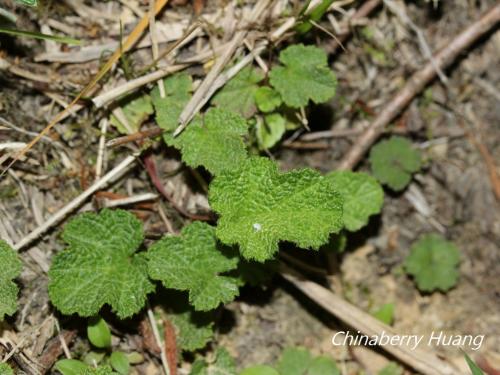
{"points": [[391, 369], [70, 367], [238, 95], [385, 313], [223, 365], [195, 262], [135, 109], [120, 363], [305, 76], [323, 366], [433, 263], [260, 206], [5, 369], [98, 333], [194, 328], [260, 370], [271, 130], [314, 16], [267, 99], [11, 268], [393, 161], [177, 94], [472, 365], [101, 370], [93, 358], [294, 361], [31, 3], [363, 197], [214, 141], [100, 265]]}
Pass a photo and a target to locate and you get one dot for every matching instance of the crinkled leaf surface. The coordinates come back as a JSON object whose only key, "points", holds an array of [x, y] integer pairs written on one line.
{"points": [[238, 95], [100, 266], [433, 263], [393, 161], [363, 197], [224, 364], [214, 141], [259, 206], [5, 369], [135, 110], [11, 268], [194, 328], [195, 262], [101, 370], [304, 76], [267, 99], [177, 93]]}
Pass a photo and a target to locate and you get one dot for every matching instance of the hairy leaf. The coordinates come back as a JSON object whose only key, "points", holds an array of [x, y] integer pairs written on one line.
{"points": [[238, 95], [259, 206], [11, 268], [433, 263], [177, 93], [101, 370], [393, 161], [363, 197], [305, 76], [194, 328], [267, 99], [5, 369], [214, 141], [223, 365], [100, 266], [195, 262]]}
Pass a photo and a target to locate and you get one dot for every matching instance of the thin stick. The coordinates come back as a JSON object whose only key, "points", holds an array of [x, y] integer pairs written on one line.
{"points": [[425, 362], [116, 172], [129, 42], [418, 82], [154, 42], [206, 86], [101, 150], [114, 93], [138, 136], [159, 341], [130, 200]]}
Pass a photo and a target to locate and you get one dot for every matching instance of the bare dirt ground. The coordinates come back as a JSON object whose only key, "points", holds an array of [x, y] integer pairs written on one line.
{"points": [[452, 123]]}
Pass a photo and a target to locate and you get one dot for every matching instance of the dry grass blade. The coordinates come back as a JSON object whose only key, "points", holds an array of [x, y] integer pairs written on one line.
{"points": [[129, 42]]}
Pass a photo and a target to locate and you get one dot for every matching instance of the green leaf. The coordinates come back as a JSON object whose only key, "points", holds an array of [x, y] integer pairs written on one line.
{"points": [[314, 15], [238, 95], [267, 99], [305, 76], [433, 263], [260, 370], [100, 265], [393, 161], [98, 333], [271, 130], [323, 366], [223, 365], [5, 369], [37, 35], [135, 109], [31, 3], [259, 206], [298, 361], [472, 365], [120, 363], [294, 361], [70, 367], [385, 313], [93, 358], [214, 141], [195, 328], [391, 369], [195, 262], [177, 94], [363, 197], [11, 268]]}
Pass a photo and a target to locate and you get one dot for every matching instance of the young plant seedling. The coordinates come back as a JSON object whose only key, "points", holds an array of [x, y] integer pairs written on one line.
{"points": [[11, 268]]}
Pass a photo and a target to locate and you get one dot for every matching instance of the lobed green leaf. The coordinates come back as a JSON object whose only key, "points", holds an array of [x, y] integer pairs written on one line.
{"points": [[100, 266], [11, 268], [260, 206]]}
